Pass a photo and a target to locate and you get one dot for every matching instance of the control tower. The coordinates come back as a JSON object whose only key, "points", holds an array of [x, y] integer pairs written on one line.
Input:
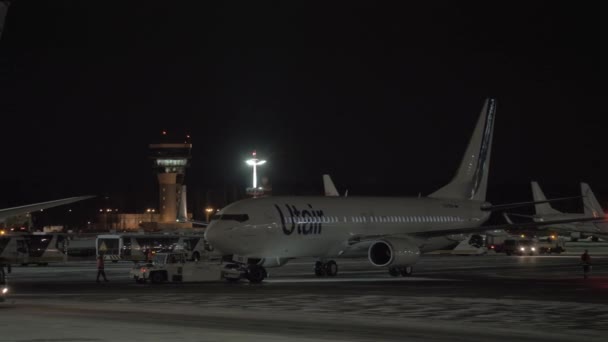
{"points": [[170, 162]]}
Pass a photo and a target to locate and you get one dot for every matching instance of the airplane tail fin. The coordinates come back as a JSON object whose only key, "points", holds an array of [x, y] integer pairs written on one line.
{"points": [[330, 188], [471, 180], [539, 195], [592, 206]]}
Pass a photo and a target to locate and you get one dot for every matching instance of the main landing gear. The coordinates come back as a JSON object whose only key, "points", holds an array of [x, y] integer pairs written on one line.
{"points": [[329, 268], [252, 272], [255, 274], [404, 271]]}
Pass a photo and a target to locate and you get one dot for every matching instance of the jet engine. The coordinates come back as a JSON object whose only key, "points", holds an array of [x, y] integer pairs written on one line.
{"points": [[393, 252]]}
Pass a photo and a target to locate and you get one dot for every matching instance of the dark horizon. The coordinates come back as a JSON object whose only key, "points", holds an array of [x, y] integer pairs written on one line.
{"points": [[382, 97]]}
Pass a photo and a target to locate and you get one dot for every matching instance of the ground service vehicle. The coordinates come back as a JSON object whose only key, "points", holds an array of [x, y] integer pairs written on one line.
{"points": [[174, 267], [520, 247], [135, 247], [550, 245]]}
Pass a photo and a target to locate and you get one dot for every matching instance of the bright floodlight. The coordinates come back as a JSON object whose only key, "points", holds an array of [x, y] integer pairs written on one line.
{"points": [[255, 162]]}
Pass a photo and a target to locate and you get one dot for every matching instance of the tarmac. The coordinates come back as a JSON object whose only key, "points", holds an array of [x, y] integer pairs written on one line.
{"points": [[455, 298]]}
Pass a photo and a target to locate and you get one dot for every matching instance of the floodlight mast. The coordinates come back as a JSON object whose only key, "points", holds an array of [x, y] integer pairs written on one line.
{"points": [[255, 162]]}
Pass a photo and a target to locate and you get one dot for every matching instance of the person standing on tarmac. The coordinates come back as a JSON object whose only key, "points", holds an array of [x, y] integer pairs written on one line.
{"points": [[586, 262], [100, 268]]}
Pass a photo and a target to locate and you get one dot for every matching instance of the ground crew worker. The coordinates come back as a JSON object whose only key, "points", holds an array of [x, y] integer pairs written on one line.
{"points": [[100, 268], [586, 262]]}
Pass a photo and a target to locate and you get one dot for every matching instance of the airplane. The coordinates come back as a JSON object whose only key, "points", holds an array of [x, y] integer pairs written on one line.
{"points": [[392, 231], [592, 208], [14, 211]]}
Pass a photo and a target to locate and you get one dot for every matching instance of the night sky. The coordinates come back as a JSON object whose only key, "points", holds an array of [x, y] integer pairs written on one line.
{"points": [[383, 98]]}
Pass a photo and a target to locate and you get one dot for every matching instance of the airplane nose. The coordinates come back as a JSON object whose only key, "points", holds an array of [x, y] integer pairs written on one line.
{"points": [[210, 234], [216, 236]]}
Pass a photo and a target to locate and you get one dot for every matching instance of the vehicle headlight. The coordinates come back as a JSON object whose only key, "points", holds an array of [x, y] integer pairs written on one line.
{"points": [[522, 249], [533, 248], [5, 290]]}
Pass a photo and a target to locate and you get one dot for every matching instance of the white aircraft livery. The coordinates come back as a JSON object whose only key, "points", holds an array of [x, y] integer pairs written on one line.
{"points": [[592, 208], [392, 231]]}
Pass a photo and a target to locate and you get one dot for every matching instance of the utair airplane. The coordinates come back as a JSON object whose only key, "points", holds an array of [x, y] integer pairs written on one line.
{"points": [[592, 208], [268, 231]]}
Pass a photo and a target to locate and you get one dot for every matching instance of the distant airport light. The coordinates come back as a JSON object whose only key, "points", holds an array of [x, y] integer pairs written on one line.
{"points": [[209, 210], [255, 162]]}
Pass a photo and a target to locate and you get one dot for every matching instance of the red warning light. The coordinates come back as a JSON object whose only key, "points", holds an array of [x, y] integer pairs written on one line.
{"points": [[253, 153], [164, 132], [188, 136]]}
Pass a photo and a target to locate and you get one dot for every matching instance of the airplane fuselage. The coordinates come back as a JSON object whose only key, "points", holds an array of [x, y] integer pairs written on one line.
{"points": [[292, 227]]}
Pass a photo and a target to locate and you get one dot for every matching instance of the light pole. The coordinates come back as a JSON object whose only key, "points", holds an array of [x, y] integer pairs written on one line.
{"points": [[255, 162], [208, 212]]}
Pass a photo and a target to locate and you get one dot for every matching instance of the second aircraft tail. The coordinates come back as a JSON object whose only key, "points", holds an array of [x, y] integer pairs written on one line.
{"points": [[539, 195], [590, 203]]}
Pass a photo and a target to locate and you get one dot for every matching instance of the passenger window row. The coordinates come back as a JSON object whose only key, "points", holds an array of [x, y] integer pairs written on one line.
{"points": [[375, 219]]}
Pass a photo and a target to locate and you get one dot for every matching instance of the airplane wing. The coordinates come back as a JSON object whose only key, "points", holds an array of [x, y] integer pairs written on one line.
{"points": [[14, 211], [498, 207], [469, 230]]}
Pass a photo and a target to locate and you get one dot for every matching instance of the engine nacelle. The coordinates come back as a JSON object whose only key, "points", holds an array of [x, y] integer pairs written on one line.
{"points": [[393, 252]]}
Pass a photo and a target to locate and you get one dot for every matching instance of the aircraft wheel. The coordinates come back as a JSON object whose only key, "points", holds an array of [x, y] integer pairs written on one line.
{"points": [[319, 269], [255, 274], [393, 271], [331, 268]]}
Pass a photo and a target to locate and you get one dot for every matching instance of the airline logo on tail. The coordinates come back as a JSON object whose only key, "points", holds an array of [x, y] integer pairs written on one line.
{"points": [[305, 222], [484, 150]]}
